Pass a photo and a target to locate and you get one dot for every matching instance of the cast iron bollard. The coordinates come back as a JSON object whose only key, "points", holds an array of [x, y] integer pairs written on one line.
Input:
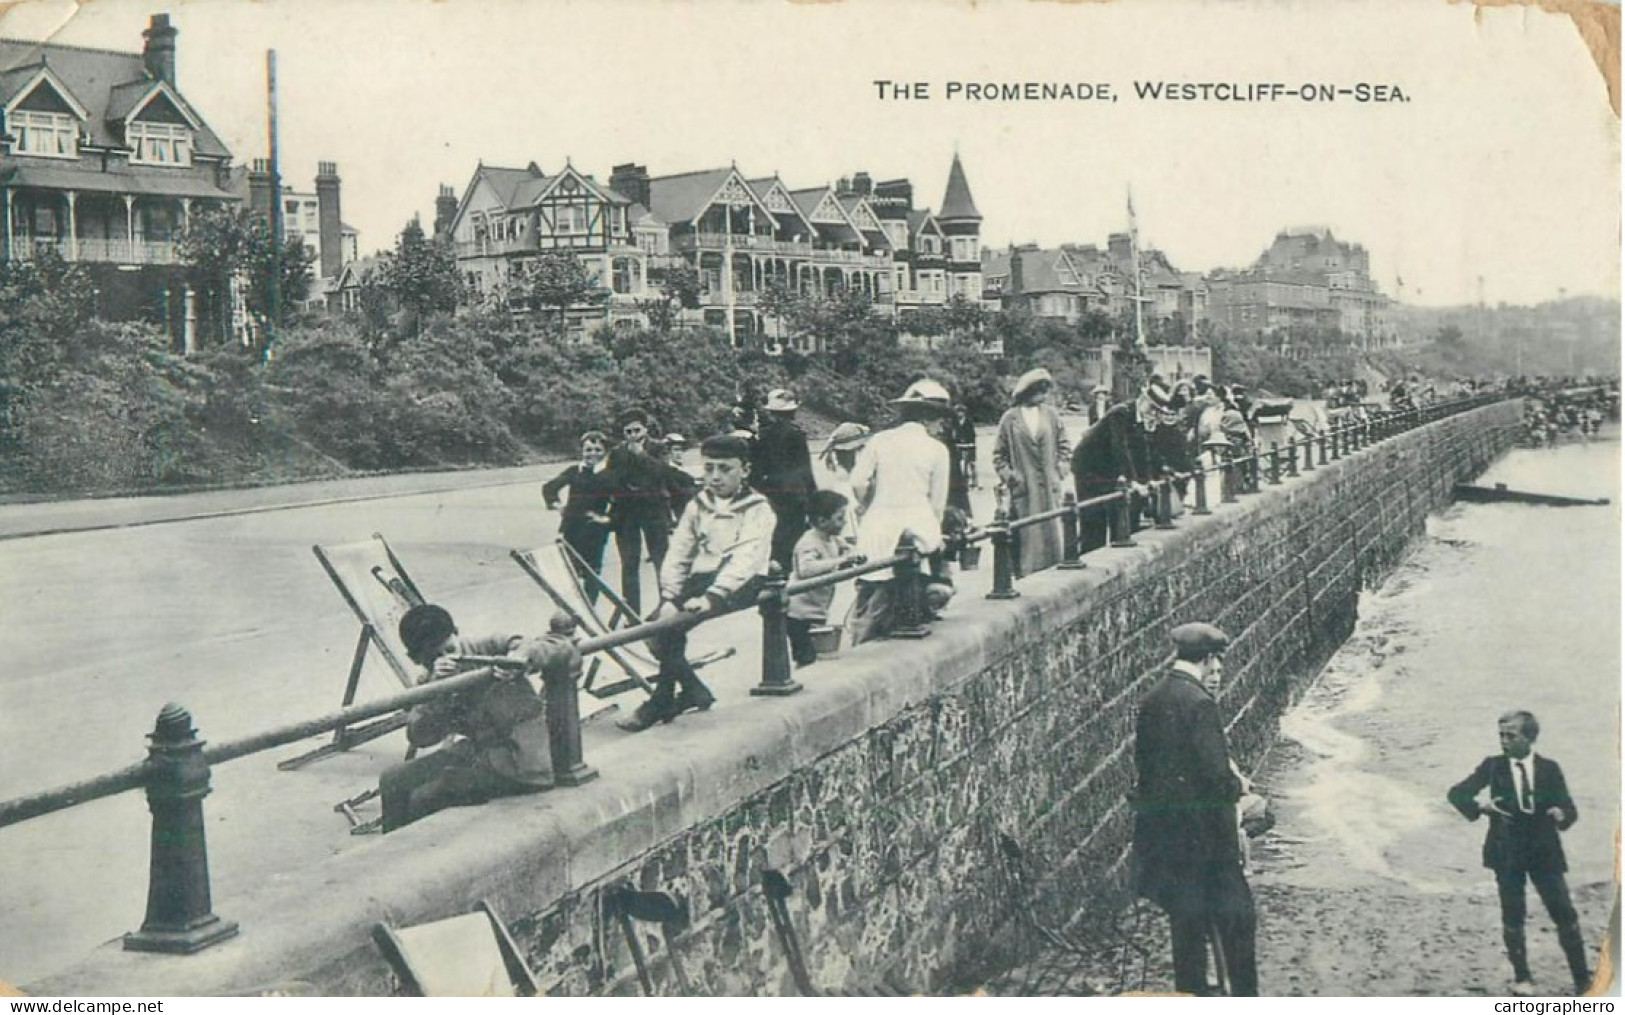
{"points": [[1275, 464], [1004, 582], [1123, 517], [772, 604], [1227, 480], [1292, 459], [1321, 440], [561, 700], [1070, 560], [180, 918], [1163, 501], [1308, 454], [1201, 492]]}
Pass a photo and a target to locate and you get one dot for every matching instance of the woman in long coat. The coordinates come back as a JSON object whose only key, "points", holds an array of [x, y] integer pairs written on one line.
{"points": [[1031, 455]]}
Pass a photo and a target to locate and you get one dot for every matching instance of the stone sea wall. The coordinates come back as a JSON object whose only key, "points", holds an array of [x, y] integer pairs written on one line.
{"points": [[924, 796]]}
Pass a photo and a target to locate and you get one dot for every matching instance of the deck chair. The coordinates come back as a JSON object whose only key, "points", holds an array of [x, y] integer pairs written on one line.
{"points": [[471, 955], [562, 574], [777, 890], [374, 584], [667, 912]]}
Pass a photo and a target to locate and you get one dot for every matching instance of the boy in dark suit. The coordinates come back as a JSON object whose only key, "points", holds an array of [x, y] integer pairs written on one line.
{"points": [[1529, 804]]}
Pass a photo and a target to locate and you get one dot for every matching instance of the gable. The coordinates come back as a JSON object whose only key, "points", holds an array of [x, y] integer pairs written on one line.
{"points": [[778, 200], [45, 93], [864, 218], [828, 211], [160, 108]]}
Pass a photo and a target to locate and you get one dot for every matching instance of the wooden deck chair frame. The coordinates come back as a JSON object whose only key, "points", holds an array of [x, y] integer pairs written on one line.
{"points": [[398, 954], [633, 659], [401, 585]]}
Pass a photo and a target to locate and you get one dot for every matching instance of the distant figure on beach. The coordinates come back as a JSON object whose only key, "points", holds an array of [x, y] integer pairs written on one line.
{"points": [[1529, 804]]}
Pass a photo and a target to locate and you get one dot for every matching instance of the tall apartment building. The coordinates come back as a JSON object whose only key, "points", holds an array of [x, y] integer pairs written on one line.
{"points": [[1306, 281]]}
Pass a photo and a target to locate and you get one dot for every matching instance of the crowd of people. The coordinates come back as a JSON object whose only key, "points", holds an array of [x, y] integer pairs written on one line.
{"points": [[1563, 414]]}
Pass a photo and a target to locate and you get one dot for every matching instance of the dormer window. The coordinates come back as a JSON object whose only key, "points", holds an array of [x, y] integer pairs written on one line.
{"points": [[54, 135], [160, 144]]}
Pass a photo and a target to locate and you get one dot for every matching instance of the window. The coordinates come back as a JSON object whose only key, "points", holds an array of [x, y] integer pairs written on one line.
{"points": [[626, 275], [160, 144], [51, 134], [569, 218]]}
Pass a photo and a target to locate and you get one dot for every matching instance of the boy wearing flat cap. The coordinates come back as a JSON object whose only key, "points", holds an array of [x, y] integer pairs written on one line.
{"points": [[1187, 852], [497, 732], [719, 554]]}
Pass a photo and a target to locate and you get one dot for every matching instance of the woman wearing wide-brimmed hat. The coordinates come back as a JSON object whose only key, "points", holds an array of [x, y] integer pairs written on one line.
{"points": [[901, 486], [839, 455], [1031, 455]]}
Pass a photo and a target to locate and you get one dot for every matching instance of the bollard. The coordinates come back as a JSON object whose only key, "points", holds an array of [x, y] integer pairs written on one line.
{"points": [[1321, 440], [1308, 454], [1227, 480], [1122, 517], [1201, 492], [1070, 523], [1292, 459], [908, 589], [1004, 585], [1163, 502], [561, 699], [772, 604], [1275, 464], [180, 918]]}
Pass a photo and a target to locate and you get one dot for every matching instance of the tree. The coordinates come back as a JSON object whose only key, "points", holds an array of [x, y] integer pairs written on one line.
{"points": [[421, 277], [680, 289], [558, 279], [224, 245]]}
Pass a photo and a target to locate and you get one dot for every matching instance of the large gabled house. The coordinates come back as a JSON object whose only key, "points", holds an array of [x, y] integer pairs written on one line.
{"points": [[742, 234], [103, 160]]}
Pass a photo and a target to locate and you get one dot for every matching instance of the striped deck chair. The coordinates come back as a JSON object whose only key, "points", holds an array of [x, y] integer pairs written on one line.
{"points": [[566, 578], [374, 584]]}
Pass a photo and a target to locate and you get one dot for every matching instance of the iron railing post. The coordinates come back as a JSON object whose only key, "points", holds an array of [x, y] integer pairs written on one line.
{"points": [[1004, 584], [772, 604], [561, 700], [908, 590], [1122, 517], [1227, 480], [1162, 502], [1275, 464], [1070, 522], [180, 917], [1201, 491]]}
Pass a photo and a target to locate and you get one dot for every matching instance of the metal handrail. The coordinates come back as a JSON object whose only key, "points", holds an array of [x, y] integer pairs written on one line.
{"points": [[175, 773]]}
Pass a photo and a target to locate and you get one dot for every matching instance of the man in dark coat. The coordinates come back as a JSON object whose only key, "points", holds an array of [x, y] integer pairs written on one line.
{"points": [[1187, 854], [1104, 454], [781, 470], [640, 509], [1529, 804]]}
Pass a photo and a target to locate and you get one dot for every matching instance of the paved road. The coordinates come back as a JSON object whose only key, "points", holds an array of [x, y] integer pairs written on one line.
{"points": [[215, 601]]}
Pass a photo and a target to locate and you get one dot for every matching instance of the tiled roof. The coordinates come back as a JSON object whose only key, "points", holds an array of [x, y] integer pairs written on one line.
{"points": [[677, 199], [95, 77], [917, 220], [506, 182], [956, 200], [117, 179]]}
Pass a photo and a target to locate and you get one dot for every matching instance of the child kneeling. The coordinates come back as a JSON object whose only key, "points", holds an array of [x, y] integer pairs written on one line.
{"points": [[819, 551]]}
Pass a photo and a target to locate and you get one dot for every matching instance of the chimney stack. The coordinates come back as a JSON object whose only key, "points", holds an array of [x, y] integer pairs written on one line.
{"points": [[329, 221], [445, 210], [862, 183], [259, 189], [631, 181], [158, 51]]}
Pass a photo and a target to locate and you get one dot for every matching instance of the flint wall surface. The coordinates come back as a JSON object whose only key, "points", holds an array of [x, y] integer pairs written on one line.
{"points": [[917, 794]]}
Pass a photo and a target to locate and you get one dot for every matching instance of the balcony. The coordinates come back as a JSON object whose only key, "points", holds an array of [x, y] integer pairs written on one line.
{"points": [[917, 297], [741, 243], [98, 251]]}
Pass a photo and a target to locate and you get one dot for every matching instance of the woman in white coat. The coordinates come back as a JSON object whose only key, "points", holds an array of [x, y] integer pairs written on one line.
{"points": [[900, 482]]}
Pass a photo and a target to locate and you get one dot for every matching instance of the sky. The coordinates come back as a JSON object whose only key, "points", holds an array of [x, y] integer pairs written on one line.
{"points": [[1503, 166]]}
